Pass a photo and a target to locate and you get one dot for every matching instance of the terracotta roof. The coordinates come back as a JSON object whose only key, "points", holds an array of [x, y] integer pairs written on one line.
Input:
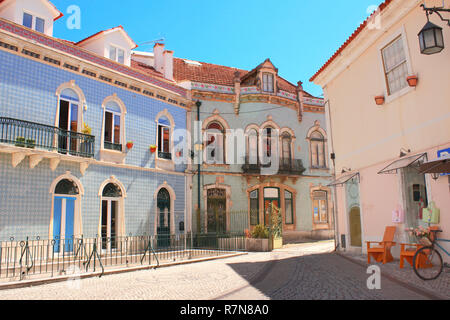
{"points": [[105, 31], [145, 68], [69, 48], [206, 73], [352, 37], [59, 12], [220, 75]]}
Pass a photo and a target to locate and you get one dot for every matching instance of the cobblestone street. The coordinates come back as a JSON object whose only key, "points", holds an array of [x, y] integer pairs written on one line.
{"points": [[304, 271]]}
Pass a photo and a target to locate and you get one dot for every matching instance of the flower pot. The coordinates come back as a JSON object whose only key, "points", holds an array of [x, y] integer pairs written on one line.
{"points": [[412, 81], [178, 154], [130, 145], [152, 149], [379, 100], [257, 245]]}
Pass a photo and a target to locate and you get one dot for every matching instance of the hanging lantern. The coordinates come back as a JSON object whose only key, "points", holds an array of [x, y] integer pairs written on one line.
{"points": [[431, 39]]}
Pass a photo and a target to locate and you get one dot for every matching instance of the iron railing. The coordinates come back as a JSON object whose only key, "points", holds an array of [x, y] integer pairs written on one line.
{"points": [[38, 259], [113, 146], [33, 135], [285, 166]]}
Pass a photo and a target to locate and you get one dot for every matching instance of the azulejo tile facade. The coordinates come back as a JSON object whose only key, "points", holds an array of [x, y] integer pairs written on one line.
{"points": [[86, 146]]}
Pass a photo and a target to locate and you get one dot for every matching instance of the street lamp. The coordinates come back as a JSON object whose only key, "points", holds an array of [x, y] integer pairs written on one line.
{"points": [[431, 38]]}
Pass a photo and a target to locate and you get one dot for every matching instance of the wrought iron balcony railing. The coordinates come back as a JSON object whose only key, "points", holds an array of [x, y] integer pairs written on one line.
{"points": [[285, 166], [113, 146], [33, 135]]}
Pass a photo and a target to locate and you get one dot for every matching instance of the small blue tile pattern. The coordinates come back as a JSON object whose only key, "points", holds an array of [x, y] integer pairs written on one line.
{"points": [[28, 92], [26, 200]]}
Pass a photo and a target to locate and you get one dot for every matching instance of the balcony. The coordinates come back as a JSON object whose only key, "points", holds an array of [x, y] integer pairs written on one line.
{"points": [[31, 135], [290, 167]]}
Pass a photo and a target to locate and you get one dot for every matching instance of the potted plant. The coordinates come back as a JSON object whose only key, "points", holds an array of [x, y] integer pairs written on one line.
{"points": [[86, 129], [31, 143], [258, 239], [412, 80], [20, 142], [153, 148], [130, 144], [379, 100], [179, 154]]}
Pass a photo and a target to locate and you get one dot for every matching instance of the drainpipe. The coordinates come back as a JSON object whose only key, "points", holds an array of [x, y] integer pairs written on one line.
{"points": [[198, 104], [333, 158]]}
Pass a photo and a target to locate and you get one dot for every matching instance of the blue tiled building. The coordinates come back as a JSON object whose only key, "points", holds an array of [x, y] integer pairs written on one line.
{"points": [[84, 140]]}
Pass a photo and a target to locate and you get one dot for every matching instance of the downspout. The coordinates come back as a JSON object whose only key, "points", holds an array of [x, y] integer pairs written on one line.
{"points": [[333, 158], [198, 104]]}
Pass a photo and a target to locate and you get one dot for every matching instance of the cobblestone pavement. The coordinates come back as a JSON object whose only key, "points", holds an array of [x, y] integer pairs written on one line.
{"points": [[305, 271], [440, 286]]}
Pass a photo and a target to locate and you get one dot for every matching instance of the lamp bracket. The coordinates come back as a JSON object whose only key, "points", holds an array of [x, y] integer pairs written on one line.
{"points": [[438, 11]]}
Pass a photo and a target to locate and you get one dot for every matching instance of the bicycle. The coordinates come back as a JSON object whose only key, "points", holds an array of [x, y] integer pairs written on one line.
{"points": [[427, 262]]}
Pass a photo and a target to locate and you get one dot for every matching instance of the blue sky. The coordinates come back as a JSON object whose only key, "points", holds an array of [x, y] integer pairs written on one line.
{"points": [[299, 36]]}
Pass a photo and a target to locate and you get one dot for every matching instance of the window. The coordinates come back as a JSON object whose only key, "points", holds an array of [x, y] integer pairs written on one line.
{"points": [[110, 213], [164, 139], [317, 150], [252, 146], [215, 143], [395, 66], [254, 208], [268, 142], [286, 148], [268, 82], [112, 135], [117, 54], [35, 23], [289, 207], [320, 204], [27, 20]]}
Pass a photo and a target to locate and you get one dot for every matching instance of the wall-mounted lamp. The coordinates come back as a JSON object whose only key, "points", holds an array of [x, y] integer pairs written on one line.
{"points": [[431, 39], [344, 170]]}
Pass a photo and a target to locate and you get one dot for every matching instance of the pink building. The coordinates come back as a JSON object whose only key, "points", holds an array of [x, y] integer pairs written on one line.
{"points": [[384, 125]]}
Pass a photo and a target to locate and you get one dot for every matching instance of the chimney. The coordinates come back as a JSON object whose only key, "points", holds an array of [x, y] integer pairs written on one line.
{"points": [[300, 100], [158, 51], [168, 64]]}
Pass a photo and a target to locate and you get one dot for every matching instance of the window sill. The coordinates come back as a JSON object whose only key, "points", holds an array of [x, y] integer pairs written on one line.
{"points": [[164, 164], [112, 156], [398, 94]]}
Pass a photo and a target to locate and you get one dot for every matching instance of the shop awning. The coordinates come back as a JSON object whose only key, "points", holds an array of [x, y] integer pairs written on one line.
{"points": [[406, 162], [440, 165], [343, 180]]}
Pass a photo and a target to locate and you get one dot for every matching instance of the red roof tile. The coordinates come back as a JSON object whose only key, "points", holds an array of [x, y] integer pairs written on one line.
{"points": [[349, 40]]}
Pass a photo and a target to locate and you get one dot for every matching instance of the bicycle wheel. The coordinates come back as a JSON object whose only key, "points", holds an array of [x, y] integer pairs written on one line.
{"points": [[427, 263]]}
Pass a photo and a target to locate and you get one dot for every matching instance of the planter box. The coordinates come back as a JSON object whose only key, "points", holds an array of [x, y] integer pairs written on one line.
{"points": [[257, 245], [277, 243]]}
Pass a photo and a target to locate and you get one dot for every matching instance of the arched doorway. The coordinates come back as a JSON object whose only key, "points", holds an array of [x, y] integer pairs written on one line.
{"points": [[111, 197], [216, 210], [64, 201], [163, 216], [355, 227]]}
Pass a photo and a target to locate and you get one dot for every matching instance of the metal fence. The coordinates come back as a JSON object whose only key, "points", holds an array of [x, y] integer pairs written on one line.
{"points": [[33, 135], [37, 258]]}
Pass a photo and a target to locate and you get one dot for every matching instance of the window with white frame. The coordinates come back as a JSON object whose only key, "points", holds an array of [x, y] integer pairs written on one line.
{"points": [[117, 54], [289, 207], [320, 205], [164, 139], [113, 127], [395, 65], [33, 22], [317, 150], [268, 82]]}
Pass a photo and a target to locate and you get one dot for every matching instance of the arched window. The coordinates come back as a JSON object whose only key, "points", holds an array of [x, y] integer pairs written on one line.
{"points": [[164, 218], [252, 146], [68, 120], [286, 141], [113, 126], [111, 201], [215, 143], [164, 127], [267, 141], [317, 141]]}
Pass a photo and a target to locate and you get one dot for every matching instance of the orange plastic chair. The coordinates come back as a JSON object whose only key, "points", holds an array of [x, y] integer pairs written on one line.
{"points": [[408, 251], [382, 253]]}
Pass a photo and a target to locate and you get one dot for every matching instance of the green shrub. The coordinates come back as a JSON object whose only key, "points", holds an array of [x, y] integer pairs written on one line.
{"points": [[260, 232]]}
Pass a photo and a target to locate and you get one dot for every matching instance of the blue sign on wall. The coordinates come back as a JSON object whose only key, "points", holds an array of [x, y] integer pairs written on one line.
{"points": [[442, 153]]}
